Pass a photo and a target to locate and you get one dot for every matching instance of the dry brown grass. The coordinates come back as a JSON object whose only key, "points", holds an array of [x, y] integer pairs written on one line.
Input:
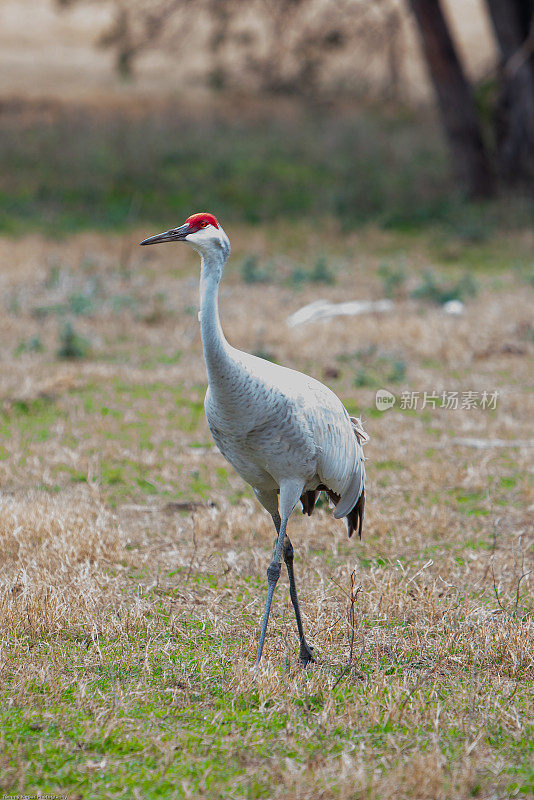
{"points": [[129, 625]]}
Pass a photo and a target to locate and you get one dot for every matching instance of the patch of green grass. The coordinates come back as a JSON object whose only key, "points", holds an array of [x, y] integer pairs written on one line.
{"points": [[174, 719], [525, 272], [32, 419], [31, 345], [393, 277], [319, 273], [507, 482], [373, 368], [436, 291], [469, 503], [252, 273], [198, 486], [126, 479], [99, 412], [388, 465], [78, 303], [522, 776], [71, 345]]}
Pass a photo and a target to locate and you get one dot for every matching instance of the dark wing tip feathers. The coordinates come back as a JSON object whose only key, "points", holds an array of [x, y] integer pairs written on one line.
{"points": [[308, 501], [355, 517]]}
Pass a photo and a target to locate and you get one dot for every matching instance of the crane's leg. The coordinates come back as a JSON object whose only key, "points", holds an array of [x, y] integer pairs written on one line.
{"points": [[290, 492], [287, 552], [305, 655]]}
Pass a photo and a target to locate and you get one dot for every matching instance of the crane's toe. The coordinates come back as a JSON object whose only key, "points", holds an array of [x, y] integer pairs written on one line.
{"points": [[306, 655]]}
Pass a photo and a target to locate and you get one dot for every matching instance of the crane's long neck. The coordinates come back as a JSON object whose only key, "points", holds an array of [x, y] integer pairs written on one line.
{"points": [[217, 351]]}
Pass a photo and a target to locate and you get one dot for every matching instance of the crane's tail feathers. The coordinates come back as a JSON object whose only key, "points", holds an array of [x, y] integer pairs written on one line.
{"points": [[351, 503], [352, 493], [354, 518]]}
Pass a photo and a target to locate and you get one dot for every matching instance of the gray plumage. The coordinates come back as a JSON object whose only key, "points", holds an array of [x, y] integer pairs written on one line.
{"points": [[285, 433]]}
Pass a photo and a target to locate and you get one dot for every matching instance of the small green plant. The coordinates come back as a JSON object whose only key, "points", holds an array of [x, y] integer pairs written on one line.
{"points": [[393, 278], [53, 277], [71, 344], [318, 274], [321, 273], [398, 371], [251, 273], [158, 310], [121, 302], [435, 291], [298, 277], [374, 368], [383, 371], [363, 377], [32, 345], [13, 303], [525, 272], [80, 303]]}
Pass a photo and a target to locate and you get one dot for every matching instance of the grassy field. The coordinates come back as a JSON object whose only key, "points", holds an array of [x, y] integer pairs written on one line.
{"points": [[132, 557]]}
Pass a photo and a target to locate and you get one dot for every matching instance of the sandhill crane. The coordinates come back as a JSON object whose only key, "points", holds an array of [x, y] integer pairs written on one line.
{"points": [[285, 433]]}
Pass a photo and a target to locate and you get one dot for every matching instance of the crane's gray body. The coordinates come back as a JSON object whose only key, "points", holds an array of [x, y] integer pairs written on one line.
{"points": [[271, 422], [285, 433]]}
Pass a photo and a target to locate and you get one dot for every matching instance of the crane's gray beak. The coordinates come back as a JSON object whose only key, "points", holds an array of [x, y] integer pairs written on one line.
{"points": [[174, 235]]}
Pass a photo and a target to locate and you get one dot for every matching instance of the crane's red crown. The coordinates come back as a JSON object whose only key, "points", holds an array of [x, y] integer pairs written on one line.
{"points": [[198, 221]]}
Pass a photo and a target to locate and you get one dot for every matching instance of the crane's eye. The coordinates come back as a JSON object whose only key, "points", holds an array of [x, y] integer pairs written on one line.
{"points": [[203, 224]]}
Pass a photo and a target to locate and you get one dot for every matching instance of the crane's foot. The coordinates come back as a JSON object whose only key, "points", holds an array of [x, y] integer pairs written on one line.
{"points": [[305, 655]]}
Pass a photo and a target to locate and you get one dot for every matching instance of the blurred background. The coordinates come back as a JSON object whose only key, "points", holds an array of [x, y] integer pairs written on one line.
{"points": [[391, 111]]}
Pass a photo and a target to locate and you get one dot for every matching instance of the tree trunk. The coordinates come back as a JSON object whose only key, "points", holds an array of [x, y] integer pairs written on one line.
{"points": [[514, 123], [456, 103]]}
